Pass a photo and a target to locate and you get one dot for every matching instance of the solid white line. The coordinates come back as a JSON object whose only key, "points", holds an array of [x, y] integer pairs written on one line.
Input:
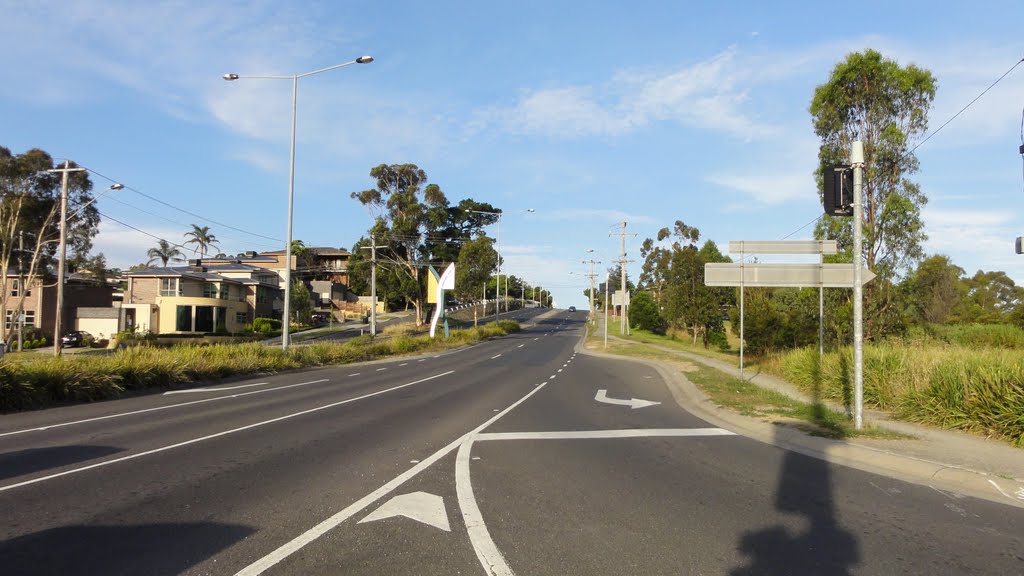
{"points": [[62, 424], [212, 436], [497, 356], [268, 561], [189, 390], [486, 551], [595, 434]]}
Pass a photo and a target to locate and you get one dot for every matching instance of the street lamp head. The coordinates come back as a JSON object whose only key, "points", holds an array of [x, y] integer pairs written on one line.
{"points": [[116, 186], [230, 77], [364, 59], [530, 210]]}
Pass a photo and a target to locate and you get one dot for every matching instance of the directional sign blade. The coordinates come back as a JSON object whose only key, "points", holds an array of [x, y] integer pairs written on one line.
{"points": [[419, 506], [783, 275]]}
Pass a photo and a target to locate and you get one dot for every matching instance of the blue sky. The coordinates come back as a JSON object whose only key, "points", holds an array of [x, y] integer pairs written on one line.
{"points": [[590, 113]]}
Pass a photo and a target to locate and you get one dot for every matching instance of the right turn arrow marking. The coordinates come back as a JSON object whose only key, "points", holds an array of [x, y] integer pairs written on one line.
{"points": [[634, 403]]}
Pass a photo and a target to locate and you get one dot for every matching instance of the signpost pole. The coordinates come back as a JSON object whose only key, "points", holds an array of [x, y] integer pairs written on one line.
{"points": [[742, 282], [857, 160]]}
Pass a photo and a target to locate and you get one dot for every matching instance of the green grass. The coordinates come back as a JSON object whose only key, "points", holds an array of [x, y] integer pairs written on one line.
{"points": [[743, 396], [31, 381]]}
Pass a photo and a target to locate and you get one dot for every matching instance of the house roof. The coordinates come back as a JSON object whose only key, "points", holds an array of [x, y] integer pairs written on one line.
{"points": [[318, 251], [211, 273]]}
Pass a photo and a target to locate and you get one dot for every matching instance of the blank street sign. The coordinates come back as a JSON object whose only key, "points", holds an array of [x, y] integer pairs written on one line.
{"points": [[783, 247], [782, 275]]}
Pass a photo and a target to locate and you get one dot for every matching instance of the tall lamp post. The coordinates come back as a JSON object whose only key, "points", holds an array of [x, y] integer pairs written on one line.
{"points": [[286, 324]]}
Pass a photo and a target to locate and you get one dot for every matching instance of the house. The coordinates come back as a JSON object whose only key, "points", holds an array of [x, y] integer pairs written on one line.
{"points": [[40, 300], [212, 297]]}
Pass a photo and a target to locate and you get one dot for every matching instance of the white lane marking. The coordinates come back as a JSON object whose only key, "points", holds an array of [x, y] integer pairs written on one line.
{"points": [[217, 435], [601, 434], [62, 424], [537, 338], [1020, 497], [403, 364], [421, 360], [552, 377], [559, 370], [633, 403], [495, 356], [189, 390], [380, 369], [268, 561], [419, 506], [521, 345], [486, 551]]}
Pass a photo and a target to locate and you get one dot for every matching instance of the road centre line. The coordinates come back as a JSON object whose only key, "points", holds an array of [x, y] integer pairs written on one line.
{"points": [[109, 416], [380, 369], [190, 390], [496, 356], [603, 434], [268, 561], [217, 435], [356, 374]]}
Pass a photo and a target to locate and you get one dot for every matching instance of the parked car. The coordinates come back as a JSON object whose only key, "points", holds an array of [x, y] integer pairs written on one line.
{"points": [[572, 308], [76, 339]]}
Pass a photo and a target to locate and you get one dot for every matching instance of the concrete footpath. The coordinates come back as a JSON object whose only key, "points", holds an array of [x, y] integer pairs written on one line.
{"points": [[949, 461]]}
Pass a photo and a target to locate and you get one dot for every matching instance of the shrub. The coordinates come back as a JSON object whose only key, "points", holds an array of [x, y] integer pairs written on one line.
{"points": [[266, 325]]}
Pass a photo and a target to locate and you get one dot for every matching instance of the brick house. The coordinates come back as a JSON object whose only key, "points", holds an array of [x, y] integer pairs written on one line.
{"points": [[40, 303], [201, 298]]}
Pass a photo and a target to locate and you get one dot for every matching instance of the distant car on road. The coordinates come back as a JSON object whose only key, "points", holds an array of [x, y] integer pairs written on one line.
{"points": [[572, 308], [76, 339]]}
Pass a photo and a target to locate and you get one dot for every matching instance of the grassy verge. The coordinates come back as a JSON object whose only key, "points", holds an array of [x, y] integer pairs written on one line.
{"points": [[740, 395], [38, 381]]}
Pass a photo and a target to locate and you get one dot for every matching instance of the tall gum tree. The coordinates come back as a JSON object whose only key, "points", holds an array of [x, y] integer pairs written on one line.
{"points": [[30, 207], [405, 208], [873, 99]]}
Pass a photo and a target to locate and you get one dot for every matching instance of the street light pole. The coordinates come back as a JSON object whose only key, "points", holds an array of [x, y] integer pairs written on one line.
{"points": [[286, 323]]}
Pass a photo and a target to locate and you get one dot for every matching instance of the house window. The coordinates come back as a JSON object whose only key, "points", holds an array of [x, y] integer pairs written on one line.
{"points": [[15, 288], [261, 295], [169, 287], [241, 318], [225, 291], [30, 318], [184, 319], [209, 290]]}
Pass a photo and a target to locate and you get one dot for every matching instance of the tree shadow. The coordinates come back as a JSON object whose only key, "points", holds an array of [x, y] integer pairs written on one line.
{"points": [[823, 548], [21, 462], [150, 549]]}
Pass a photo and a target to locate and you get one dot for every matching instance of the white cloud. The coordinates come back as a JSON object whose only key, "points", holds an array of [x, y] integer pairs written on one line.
{"points": [[704, 95]]}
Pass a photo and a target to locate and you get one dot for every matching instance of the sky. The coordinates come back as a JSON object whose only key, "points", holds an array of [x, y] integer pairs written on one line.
{"points": [[590, 113]]}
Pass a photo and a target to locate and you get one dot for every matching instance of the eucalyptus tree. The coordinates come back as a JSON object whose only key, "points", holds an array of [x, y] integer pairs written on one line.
{"points": [[30, 216]]}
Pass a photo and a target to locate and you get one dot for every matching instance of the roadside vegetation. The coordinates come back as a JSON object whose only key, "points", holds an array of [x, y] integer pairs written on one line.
{"points": [[29, 381]]}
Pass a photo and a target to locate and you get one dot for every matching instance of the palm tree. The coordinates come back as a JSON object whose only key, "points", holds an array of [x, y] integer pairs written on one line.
{"points": [[202, 238], [165, 251]]}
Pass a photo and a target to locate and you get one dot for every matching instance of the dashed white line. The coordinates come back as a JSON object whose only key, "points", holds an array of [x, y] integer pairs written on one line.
{"points": [[63, 424], [356, 374], [521, 345], [380, 369], [403, 364], [189, 390], [212, 436], [496, 356]]}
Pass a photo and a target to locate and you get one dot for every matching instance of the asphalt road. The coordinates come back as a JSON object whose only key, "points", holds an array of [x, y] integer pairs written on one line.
{"points": [[514, 456]]}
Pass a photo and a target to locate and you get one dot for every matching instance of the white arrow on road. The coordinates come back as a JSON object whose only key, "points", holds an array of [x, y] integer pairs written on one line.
{"points": [[634, 403], [419, 506]]}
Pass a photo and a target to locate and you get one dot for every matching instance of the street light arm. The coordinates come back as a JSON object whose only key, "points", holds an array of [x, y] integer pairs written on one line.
{"points": [[360, 60]]}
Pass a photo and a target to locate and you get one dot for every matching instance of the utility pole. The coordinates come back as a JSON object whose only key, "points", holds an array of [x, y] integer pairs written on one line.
{"points": [[592, 312], [21, 288], [607, 279], [622, 263], [373, 284], [62, 250], [857, 160]]}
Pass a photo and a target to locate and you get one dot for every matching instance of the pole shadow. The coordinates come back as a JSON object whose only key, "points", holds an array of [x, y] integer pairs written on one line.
{"points": [[152, 549], [822, 548], [28, 461]]}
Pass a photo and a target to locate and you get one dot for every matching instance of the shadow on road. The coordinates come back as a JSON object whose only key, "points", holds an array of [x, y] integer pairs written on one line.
{"points": [[147, 549], [13, 464], [823, 547]]}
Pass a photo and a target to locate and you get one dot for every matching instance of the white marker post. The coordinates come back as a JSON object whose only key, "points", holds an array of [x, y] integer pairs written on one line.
{"points": [[857, 160]]}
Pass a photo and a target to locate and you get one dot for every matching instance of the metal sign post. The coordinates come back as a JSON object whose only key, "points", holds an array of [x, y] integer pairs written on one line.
{"points": [[857, 160]]}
